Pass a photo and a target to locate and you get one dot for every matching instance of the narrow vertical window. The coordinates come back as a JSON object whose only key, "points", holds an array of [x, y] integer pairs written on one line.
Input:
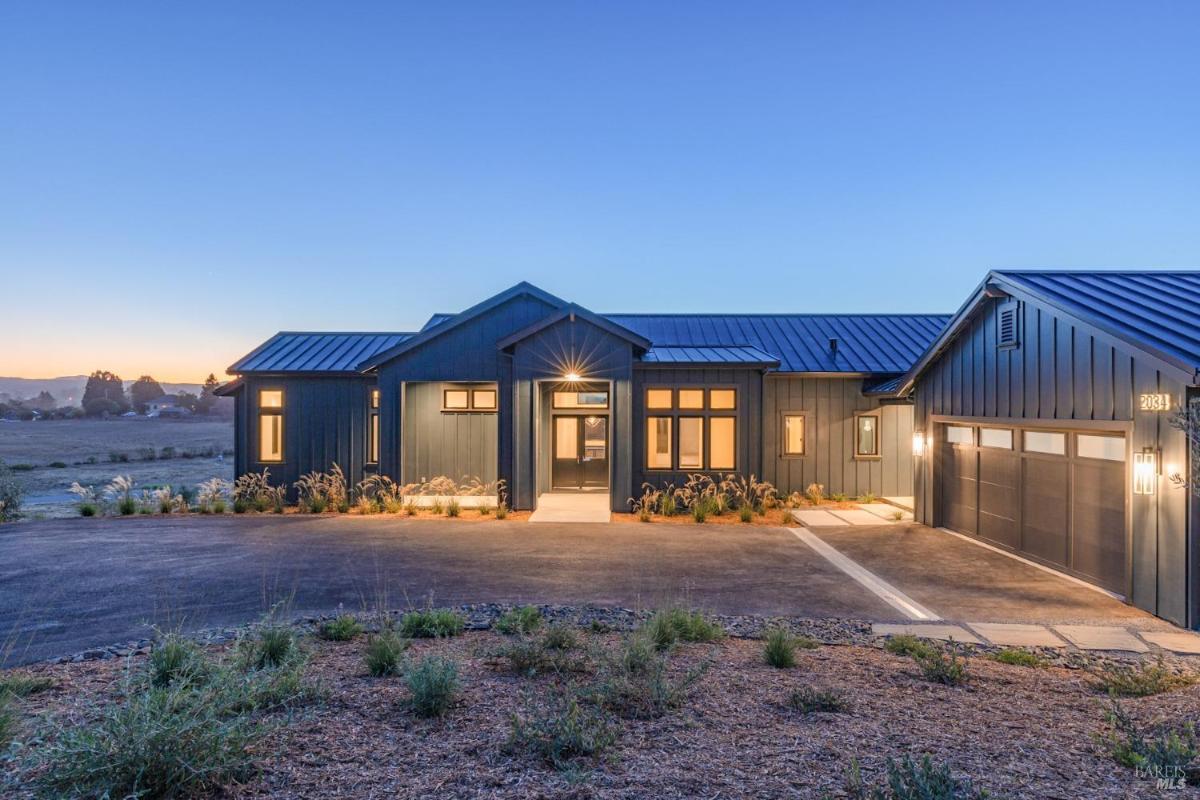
{"points": [[722, 442], [270, 425], [373, 442], [866, 438], [691, 442], [658, 442]]}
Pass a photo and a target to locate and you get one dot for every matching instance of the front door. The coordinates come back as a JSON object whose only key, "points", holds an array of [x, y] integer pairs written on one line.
{"points": [[580, 449]]}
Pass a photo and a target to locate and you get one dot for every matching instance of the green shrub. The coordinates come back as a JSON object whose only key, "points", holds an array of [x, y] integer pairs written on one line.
{"points": [[57, 465], [432, 685], [87, 510], [453, 509], [484, 511], [342, 629], [699, 511], [127, 506], [838, 497], [272, 647], [437, 507], [636, 684], [907, 645], [779, 650], [410, 509], [8, 720], [1140, 679], [154, 742], [176, 659], [1017, 657], [673, 625], [945, 665], [525, 619], [218, 506], [746, 514], [561, 734], [560, 637], [317, 504], [431, 624], [912, 780], [869, 497], [383, 653], [240, 506], [531, 657], [809, 700], [23, 684], [1164, 751]]}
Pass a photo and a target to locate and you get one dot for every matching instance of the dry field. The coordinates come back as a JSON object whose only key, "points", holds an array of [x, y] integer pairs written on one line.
{"points": [[90, 451], [1015, 731]]}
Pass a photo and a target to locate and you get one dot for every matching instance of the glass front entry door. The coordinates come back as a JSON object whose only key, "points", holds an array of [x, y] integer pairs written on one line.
{"points": [[580, 452]]}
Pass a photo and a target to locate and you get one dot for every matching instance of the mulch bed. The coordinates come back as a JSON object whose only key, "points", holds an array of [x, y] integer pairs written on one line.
{"points": [[1016, 731]]}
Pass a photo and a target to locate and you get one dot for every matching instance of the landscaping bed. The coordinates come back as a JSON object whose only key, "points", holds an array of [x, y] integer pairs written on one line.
{"points": [[580, 711]]}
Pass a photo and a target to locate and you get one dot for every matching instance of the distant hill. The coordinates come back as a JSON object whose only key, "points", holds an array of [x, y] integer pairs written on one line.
{"points": [[68, 390]]}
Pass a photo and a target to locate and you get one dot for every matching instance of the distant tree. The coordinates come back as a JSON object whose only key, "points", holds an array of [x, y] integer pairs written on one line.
{"points": [[206, 401], [43, 402], [144, 390], [187, 400], [104, 386]]}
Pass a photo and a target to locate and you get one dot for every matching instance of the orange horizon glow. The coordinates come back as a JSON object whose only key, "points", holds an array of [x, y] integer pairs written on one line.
{"points": [[165, 360]]}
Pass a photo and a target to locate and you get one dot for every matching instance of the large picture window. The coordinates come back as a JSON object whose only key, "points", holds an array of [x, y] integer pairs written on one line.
{"points": [[270, 425], [683, 434]]}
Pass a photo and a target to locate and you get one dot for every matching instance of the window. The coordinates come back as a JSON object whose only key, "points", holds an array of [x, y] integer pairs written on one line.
{"points": [[722, 399], [373, 433], [691, 398], [1045, 442], [483, 399], [456, 399], [658, 398], [722, 442], [1001, 438], [1108, 448], [866, 436], [793, 435], [270, 425], [658, 442], [1007, 325], [580, 399], [957, 434], [691, 442]]}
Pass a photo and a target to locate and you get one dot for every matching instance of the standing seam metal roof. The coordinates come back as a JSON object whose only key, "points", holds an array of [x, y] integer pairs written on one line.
{"points": [[294, 351]]}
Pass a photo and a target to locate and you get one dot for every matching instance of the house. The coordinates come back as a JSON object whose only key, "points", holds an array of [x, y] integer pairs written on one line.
{"points": [[1035, 421], [166, 406], [1043, 427]]}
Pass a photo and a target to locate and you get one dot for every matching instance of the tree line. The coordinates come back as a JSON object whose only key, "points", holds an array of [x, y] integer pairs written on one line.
{"points": [[105, 395]]}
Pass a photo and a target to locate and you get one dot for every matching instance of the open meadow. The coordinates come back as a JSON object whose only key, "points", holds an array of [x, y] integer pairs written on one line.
{"points": [[47, 456]]}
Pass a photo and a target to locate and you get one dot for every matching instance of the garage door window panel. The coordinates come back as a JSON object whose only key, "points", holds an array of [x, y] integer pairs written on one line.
{"points": [[1046, 442], [999, 438], [1103, 448], [958, 434]]}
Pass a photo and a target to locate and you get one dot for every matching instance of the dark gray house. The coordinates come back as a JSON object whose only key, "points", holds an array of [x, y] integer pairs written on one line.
{"points": [[552, 397], [1042, 427]]}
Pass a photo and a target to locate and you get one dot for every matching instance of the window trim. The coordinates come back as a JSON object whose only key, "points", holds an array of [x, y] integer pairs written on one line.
{"points": [[783, 440], [878, 454], [271, 411], [671, 449]]}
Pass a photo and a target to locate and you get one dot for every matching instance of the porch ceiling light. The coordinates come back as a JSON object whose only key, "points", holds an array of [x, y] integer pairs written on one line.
{"points": [[1145, 471], [572, 377]]}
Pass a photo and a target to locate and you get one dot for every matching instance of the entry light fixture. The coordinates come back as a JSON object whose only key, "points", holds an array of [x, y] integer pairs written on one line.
{"points": [[572, 377], [1145, 471], [918, 447]]}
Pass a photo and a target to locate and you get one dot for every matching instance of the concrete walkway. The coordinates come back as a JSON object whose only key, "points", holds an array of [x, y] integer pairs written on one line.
{"points": [[572, 507], [1114, 638]]}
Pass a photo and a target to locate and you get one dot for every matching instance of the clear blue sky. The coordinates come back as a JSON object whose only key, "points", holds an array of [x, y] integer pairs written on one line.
{"points": [[177, 182]]}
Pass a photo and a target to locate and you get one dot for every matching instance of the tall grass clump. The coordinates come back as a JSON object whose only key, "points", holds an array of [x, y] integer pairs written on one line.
{"points": [[673, 625], [562, 733], [342, 629], [174, 659], [811, 700], [431, 624], [383, 653], [780, 645], [525, 619], [635, 682], [120, 492], [432, 685], [1140, 679], [943, 664], [912, 780], [1168, 751]]}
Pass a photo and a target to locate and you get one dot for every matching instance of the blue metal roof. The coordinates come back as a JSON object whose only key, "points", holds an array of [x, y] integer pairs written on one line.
{"points": [[709, 354], [1161, 310], [437, 319], [889, 385], [291, 351], [870, 343]]}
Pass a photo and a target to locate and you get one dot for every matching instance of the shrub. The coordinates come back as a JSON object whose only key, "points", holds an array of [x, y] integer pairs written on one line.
{"points": [[869, 497], [1017, 657], [673, 625], [780, 648], [8, 720], [118, 458], [1140, 680], [155, 742], [383, 653], [433, 685], [342, 629], [23, 684], [839, 497], [11, 495], [57, 465], [176, 659], [815, 493], [410, 508], [944, 665], [911, 780], [1165, 751], [272, 647], [431, 624], [87, 510], [636, 683], [525, 619], [700, 511], [484, 511], [561, 733], [502, 510], [453, 509], [809, 700], [907, 645], [746, 514], [560, 637], [534, 656]]}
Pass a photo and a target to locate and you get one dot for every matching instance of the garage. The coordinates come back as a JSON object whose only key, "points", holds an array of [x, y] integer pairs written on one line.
{"points": [[1054, 496]]}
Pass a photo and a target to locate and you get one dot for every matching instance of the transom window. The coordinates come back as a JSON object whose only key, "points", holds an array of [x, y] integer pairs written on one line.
{"points": [[469, 398], [580, 399]]}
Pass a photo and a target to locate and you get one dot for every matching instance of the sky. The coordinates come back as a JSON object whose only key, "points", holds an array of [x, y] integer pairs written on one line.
{"points": [[179, 181]]}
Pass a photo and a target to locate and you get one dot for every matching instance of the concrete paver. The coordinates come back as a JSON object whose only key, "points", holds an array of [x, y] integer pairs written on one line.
{"points": [[1015, 634], [1101, 637], [886, 511], [1184, 642], [816, 519], [854, 516], [927, 631], [572, 507]]}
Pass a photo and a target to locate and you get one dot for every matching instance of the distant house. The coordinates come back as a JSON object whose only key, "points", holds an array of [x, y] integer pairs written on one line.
{"points": [[166, 406]]}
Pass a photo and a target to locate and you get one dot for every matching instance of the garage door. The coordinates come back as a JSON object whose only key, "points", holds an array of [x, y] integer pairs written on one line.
{"points": [[1057, 497]]}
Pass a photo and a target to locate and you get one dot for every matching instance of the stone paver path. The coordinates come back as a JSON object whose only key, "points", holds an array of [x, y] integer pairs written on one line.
{"points": [[1184, 642], [1083, 637], [812, 518], [931, 631], [886, 511], [1101, 637], [856, 516], [1013, 634]]}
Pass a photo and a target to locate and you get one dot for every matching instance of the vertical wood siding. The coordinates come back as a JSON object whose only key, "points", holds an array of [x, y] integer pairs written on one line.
{"points": [[1066, 370], [828, 406], [455, 444]]}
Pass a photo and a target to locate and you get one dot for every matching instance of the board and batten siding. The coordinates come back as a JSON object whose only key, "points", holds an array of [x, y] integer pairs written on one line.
{"points": [[325, 421], [456, 444], [1068, 373], [829, 406]]}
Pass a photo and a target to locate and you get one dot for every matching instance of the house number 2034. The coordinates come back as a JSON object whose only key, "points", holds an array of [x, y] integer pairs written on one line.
{"points": [[1155, 402]]}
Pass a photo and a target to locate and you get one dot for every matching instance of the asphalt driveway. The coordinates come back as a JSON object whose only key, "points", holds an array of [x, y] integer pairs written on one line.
{"points": [[67, 585]]}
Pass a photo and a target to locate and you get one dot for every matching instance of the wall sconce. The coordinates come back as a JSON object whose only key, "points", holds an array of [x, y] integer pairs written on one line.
{"points": [[1145, 471], [918, 446]]}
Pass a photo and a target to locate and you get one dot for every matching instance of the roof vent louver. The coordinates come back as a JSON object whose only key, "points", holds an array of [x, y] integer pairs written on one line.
{"points": [[1007, 325], [833, 345]]}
